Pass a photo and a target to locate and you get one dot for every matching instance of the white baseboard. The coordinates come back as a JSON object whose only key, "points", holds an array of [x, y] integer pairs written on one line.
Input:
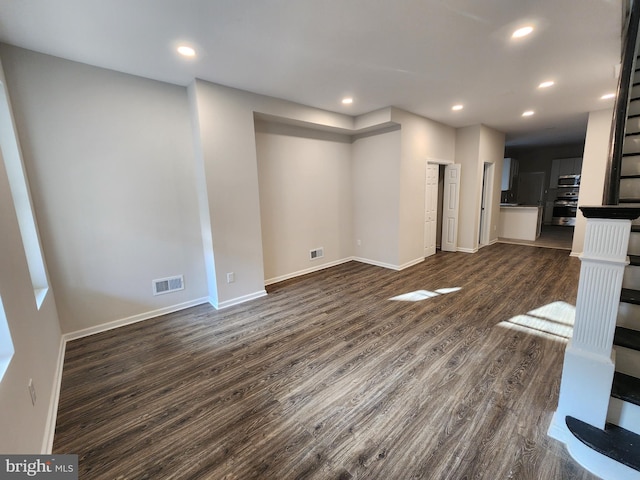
{"points": [[411, 263], [238, 300], [52, 414], [376, 263], [389, 265], [305, 271], [85, 332], [467, 250]]}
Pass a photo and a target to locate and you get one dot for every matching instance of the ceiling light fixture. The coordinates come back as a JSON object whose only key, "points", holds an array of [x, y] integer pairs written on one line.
{"points": [[522, 32], [528, 113], [347, 101], [186, 51], [607, 96], [457, 107], [547, 84]]}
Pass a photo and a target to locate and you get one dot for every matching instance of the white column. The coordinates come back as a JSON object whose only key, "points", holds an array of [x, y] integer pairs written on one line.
{"points": [[589, 361]]}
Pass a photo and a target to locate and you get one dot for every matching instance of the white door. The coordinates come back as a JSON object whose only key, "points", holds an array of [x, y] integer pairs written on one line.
{"points": [[430, 210], [450, 205]]}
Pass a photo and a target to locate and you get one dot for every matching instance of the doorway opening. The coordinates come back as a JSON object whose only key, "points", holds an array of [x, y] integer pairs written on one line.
{"points": [[484, 234], [442, 194]]}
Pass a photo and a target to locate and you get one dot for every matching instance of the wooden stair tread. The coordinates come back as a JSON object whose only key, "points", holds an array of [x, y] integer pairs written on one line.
{"points": [[615, 442], [627, 388], [627, 337], [628, 295]]}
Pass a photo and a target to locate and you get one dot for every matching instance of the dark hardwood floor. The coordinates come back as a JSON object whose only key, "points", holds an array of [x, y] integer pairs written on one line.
{"points": [[327, 378]]}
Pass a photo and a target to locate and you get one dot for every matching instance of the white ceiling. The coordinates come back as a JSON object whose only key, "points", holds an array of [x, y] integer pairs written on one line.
{"points": [[419, 55]]}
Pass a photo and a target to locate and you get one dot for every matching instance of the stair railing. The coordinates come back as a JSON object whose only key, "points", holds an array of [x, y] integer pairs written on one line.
{"points": [[616, 142]]}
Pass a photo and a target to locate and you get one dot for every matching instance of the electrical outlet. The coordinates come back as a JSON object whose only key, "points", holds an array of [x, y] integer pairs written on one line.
{"points": [[231, 277], [358, 242], [32, 391]]}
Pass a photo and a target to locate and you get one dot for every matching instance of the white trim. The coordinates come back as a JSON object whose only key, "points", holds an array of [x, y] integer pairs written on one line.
{"points": [[388, 265], [376, 263], [306, 271], [411, 263], [598, 464], [133, 319], [238, 300], [52, 415], [467, 250]]}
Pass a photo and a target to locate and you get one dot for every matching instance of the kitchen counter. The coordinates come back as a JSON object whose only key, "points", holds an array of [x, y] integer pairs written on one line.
{"points": [[520, 222]]}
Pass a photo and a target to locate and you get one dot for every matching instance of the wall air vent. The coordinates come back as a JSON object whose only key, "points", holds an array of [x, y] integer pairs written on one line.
{"points": [[167, 285], [316, 253]]}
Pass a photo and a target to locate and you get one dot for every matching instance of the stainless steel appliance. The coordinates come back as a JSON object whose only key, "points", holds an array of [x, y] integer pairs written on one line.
{"points": [[568, 181], [564, 212], [565, 205]]}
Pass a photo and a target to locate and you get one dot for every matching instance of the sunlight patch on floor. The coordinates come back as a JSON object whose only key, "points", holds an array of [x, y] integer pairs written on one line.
{"points": [[554, 319], [419, 295]]}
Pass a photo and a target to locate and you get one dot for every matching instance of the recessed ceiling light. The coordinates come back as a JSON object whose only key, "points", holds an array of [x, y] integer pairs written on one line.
{"points": [[457, 107], [528, 113], [522, 32], [547, 84], [607, 96], [186, 51], [347, 101]]}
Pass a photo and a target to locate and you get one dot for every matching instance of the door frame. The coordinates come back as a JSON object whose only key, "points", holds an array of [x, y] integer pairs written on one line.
{"points": [[437, 162], [431, 209], [486, 205]]}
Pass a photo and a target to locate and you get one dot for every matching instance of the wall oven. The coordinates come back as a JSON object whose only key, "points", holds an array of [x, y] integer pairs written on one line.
{"points": [[568, 181], [564, 212]]}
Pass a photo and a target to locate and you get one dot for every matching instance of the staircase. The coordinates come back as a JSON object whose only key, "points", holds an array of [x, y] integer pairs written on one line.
{"points": [[598, 415]]}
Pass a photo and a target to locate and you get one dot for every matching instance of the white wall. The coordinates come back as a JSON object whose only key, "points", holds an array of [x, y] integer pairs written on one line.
{"points": [[421, 139], [475, 146], [594, 164], [226, 144], [491, 150], [304, 179], [376, 197], [24, 428], [467, 155], [110, 162]]}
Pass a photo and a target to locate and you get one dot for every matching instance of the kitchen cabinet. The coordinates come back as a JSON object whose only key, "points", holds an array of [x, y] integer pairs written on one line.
{"points": [[564, 166]]}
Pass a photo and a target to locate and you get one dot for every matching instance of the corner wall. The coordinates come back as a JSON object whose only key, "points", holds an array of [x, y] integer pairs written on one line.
{"points": [[475, 146], [594, 165], [225, 138], [491, 150], [376, 198], [110, 163], [37, 341], [421, 139], [305, 183]]}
